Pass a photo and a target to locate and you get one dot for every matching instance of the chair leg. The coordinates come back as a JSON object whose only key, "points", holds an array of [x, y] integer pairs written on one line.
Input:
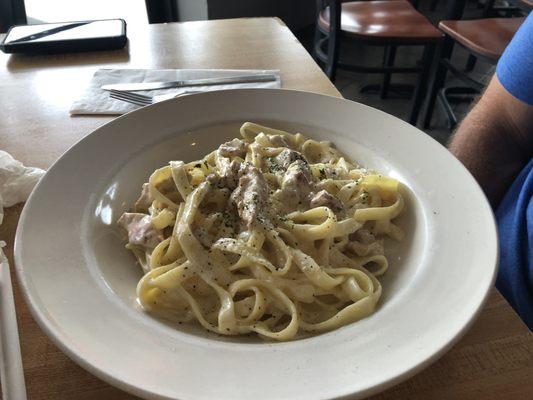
{"points": [[333, 59], [470, 63], [388, 61], [456, 94], [316, 39], [437, 80], [437, 83], [420, 90], [452, 119], [334, 42]]}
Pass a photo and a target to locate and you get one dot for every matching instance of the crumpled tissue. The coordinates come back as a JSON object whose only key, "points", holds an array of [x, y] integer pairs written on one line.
{"points": [[16, 181]]}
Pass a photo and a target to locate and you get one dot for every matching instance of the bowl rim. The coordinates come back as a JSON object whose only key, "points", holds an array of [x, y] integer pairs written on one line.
{"points": [[111, 377]]}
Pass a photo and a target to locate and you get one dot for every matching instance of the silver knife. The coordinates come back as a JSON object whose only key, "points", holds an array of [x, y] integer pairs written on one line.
{"points": [[133, 87]]}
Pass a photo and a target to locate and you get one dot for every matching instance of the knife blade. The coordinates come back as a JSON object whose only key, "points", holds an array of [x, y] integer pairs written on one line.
{"points": [[133, 87]]}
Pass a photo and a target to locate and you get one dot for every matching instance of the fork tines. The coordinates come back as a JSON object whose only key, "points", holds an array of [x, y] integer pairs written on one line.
{"points": [[130, 97]]}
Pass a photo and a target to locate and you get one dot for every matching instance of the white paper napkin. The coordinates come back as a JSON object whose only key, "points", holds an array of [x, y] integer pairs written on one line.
{"points": [[97, 101]]}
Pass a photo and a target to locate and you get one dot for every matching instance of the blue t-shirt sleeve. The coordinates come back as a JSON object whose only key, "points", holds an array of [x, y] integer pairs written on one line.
{"points": [[515, 68], [515, 226]]}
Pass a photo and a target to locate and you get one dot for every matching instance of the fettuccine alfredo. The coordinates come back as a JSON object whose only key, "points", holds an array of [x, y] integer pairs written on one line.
{"points": [[272, 233]]}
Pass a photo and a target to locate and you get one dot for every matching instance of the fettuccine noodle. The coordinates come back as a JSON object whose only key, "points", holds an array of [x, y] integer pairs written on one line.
{"points": [[273, 233]]}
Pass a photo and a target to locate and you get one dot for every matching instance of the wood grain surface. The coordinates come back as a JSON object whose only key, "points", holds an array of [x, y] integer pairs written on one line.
{"points": [[494, 360]]}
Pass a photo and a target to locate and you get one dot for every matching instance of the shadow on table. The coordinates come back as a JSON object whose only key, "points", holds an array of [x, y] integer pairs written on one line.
{"points": [[23, 62]]}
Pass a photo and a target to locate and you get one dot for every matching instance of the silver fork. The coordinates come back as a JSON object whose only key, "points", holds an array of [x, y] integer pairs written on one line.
{"points": [[141, 99]]}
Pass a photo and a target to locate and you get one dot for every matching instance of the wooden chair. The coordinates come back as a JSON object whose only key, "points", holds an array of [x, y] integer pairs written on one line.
{"points": [[485, 39], [388, 24], [470, 34], [490, 10]]}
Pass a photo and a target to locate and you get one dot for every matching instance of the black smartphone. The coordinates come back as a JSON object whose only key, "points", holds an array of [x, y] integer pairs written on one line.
{"points": [[66, 37]]}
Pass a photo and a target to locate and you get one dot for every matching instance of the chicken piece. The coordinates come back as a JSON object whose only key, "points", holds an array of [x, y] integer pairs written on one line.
{"points": [[229, 176], [233, 148], [324, 198], [297, 183], [144, 201], [140, 230], [364, 236], [287, 157], [250, 196]]}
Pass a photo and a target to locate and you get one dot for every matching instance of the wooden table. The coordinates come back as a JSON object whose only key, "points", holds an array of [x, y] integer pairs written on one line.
{"points": [[493, 361]]}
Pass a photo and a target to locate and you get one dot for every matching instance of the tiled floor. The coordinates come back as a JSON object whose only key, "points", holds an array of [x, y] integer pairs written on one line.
{"points": [[349, 83]]}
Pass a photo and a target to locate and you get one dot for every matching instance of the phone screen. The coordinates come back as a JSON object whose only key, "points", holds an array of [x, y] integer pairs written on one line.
{"points": [[65, 31]]}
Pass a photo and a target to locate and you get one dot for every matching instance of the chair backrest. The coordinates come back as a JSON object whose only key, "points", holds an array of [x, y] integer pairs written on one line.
{"points": [[527, 3], [321, 4], [454, 9], [161, 11], [12, 13]]}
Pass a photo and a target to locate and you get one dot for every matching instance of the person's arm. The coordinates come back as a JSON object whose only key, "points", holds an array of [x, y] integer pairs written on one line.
{"points": [[495, 140]]}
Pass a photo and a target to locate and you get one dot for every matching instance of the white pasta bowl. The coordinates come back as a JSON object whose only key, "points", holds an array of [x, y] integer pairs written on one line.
{"points": [[79, 281]]}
